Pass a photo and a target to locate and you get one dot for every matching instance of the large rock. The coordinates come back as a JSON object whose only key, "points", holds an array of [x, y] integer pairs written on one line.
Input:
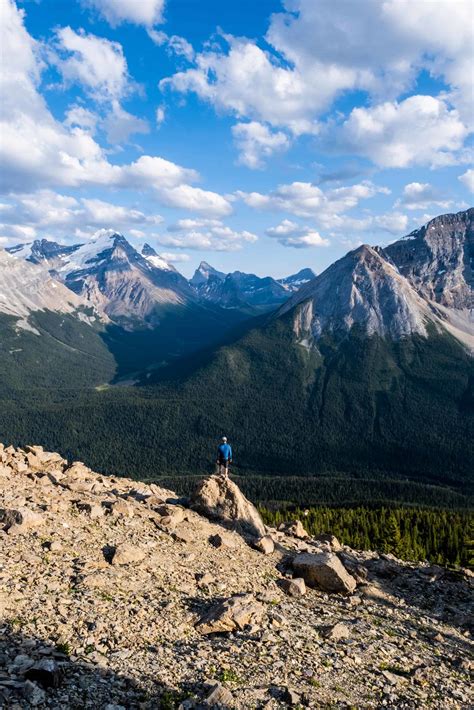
{"points": [[222, 499], [231, 615], [19, 520], [325, 571], [125, 553]]}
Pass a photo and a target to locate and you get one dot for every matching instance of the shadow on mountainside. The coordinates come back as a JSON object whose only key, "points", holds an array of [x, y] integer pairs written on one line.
{"points": [[35, 672]]}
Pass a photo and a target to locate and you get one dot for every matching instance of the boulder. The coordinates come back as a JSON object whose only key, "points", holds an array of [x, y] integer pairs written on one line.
{"points": [[330, 540], [293, 587], [45, 672], [125, 554], [324, 570], [295, 529], [336, 632], [265, 544], [222, 540], [220, 697], [19, 520], [232, 614], [221, 499]]}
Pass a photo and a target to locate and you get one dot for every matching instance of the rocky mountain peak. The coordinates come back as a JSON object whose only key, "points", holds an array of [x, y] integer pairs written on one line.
{"points": [[135, 600], [296, 281], [204, 272], [438, 260], [361, 289]]}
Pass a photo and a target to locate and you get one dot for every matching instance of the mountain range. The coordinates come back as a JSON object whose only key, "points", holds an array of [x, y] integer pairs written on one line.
{"points": [[134, 288], [363, 372]]}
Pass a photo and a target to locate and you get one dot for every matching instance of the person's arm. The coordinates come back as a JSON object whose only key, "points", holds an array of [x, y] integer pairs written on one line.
{"points": [[230, 453]]}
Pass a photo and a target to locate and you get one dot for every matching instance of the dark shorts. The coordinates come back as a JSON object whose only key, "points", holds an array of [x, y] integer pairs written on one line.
{"points": [[224, 462]]}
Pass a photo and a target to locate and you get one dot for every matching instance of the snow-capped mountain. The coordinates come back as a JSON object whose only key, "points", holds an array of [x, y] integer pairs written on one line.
{"points": [[296, 281], [43, 251], [113, 276], [155, 259], [26, 288]]}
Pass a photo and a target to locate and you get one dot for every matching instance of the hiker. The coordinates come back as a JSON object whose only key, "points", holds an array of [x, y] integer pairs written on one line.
{"points": [[224, 457]]}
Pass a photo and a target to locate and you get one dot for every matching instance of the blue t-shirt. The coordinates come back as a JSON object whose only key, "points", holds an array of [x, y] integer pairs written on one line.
{"points": [[225, 452]]}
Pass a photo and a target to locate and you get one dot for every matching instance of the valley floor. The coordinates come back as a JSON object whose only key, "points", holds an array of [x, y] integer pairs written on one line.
{"points": [[124, 635]]}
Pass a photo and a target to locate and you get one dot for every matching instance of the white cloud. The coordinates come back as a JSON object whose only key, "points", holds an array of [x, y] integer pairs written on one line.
{"points": [[138, 12], [467, 179], [321, 49], [55, 213], [189, 224], [174, 44], [256, 142], [174, 258], [97, 64], [120, 125], [196, 200], [36, 150], [290, 234], [81, 118], [205, 234], [421, 130], [420, 196], [160, 115], [304, 199]]}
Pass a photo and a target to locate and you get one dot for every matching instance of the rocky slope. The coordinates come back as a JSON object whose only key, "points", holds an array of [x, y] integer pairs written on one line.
{"points": [[117, 595], [27, 288], [367, 290]]}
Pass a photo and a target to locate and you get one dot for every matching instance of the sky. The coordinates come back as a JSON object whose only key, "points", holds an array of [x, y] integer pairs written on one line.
{"points": [[261, 136]]}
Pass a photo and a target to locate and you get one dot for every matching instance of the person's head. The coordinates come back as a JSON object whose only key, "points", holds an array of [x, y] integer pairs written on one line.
{"points": [[224, 440]]}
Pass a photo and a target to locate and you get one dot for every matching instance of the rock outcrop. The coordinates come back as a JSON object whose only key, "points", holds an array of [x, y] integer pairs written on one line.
{"points": [[324, 571], [137, 608], [220, 498]]}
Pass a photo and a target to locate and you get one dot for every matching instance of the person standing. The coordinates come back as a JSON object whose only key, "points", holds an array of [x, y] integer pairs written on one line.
{"points": [[224, 457]]}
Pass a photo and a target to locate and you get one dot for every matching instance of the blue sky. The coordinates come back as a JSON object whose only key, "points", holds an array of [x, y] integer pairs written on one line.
{"points": [[260, 136]]}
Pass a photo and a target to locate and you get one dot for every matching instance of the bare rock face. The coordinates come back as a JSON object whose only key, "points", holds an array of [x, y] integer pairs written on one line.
{"points": [[222, 499], [438, 259], [231, 615], [325, 571]]}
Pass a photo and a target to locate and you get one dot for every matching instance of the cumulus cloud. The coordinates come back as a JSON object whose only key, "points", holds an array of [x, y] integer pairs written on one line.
{"points": [[174, 44], [138, 12], [120, 125], [38, 151], [174, 257], [26, 215], [97, 64], [421, 130], [467, 179], [290, 234], [256, 142], [205, 234], [196, 200], [304, 199], [420, 196], [81, 118], [316, 51]]}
